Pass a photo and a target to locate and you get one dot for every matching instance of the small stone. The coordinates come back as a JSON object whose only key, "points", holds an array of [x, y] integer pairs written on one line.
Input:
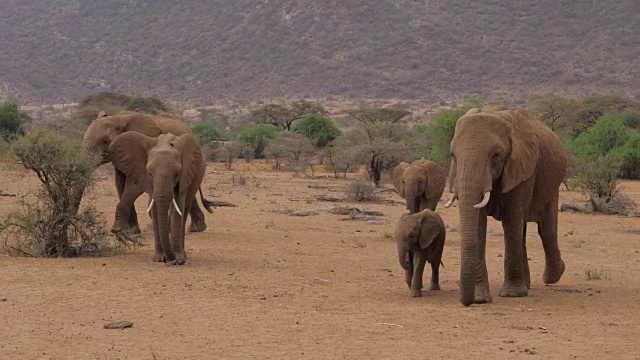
{"points": [[570, 232], [3, 299], [119, 325]]}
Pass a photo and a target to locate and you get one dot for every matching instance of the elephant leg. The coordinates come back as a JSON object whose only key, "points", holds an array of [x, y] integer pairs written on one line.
{"points": [[482, 293], [408, 273], [158, 255], [428, 204], [548, 231], [525, 259], [132, 222], [176, 234], [419, 260], [197, 217], [514, 282], [435, 274], [123, 209]]}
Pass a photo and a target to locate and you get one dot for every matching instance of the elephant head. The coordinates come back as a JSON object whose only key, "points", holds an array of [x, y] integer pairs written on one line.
{"points": [[417, 182], [105, 128], [170, 168], [492, 153], [415, 231]]}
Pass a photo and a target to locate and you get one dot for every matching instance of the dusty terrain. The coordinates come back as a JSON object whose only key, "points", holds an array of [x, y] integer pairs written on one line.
{"points": [[261, 284]]}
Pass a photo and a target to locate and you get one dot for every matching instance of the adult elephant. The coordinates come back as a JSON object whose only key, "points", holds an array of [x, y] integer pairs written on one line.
{"points": [[99, 137], [420, 183], [170, 169], [508, 166]]}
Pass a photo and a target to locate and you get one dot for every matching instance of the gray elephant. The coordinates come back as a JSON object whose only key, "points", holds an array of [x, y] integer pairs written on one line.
{"points": [[420, 238], [97, 140], [509, 166], [170, 169], [420, 183]]}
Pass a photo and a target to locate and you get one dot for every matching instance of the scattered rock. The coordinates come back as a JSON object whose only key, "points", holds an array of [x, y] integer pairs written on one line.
{"points": [[570, 232], [119, 325], [569, 208], [328, 198], [304, 213], [3, 299], [376, 221], [372, 213], [219, 203], [345, 210]]}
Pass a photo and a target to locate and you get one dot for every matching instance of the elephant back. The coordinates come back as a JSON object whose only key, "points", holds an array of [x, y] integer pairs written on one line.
{"points": [[170, 124]]}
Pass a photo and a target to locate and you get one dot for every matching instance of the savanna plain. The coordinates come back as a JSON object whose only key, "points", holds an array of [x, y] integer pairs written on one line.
{"points": [[260, 283]]}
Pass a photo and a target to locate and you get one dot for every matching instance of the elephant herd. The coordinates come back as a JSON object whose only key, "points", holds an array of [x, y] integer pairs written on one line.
{"points": [[504, 164]]}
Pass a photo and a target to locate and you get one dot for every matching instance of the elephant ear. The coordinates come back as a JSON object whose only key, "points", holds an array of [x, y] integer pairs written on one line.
{"points": [[525, 153], [436, 179], [428, 228], [397, 176], [140, 123], [192, 159], [128, 153]]}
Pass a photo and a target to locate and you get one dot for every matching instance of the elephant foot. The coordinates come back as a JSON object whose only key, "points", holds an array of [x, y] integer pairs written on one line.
{"points": [[180, 259], [158, 257], [135, 230], [552, 274], [513, 290], [194, 227], [434, 287], [118, 228], [482, 294], [415, 293]]}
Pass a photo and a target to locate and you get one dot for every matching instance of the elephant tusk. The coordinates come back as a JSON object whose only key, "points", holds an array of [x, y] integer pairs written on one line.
{"points": [[451, 200], [150, 205], [484, 202], [176, 206]]}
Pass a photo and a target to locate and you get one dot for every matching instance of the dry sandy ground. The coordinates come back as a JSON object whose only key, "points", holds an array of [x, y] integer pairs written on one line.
{"points": [[259, 284]]}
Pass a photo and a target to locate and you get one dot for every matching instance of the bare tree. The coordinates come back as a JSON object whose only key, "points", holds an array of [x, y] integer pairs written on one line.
{"points": [[382, 148], [284, 117], [555, 111], [230, 151], [296, 149]]}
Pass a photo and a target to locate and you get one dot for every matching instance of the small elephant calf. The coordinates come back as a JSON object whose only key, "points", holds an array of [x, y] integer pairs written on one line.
{"points": [[420, 238]]}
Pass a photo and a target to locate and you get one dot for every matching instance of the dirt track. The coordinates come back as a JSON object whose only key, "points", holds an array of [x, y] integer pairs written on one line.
{"points": [[259, 284]]}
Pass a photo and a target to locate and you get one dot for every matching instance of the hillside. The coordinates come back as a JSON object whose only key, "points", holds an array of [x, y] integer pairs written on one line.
{"points": [[60, 50]]}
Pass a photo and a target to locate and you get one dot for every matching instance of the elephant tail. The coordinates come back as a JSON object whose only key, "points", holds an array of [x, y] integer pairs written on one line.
{"points": [[206, 203]]}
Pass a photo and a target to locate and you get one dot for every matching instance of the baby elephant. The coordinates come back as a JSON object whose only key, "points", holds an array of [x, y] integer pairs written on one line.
{"points": [[420, 238]]}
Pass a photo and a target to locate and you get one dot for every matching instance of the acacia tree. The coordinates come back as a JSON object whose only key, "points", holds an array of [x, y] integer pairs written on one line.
{"points": [[382, 148], [296, 149], [284, 117], [555, 111]]}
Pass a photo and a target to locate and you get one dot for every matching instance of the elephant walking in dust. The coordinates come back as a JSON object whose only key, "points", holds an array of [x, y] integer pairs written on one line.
{"points": [[170, 169], [509, 166]]}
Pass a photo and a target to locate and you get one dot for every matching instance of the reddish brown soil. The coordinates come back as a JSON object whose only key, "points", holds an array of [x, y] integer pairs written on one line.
{"points": [[259, 284]]}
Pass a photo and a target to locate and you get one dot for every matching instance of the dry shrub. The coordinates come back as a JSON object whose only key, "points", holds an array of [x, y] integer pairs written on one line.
{"points": [[360, 190], [598, 179], [54, 225]]}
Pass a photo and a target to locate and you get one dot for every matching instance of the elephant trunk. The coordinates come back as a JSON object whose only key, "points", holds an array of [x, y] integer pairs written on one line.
{"points": [[410, 199], [163, 200], [470, 192], [403, 256]]}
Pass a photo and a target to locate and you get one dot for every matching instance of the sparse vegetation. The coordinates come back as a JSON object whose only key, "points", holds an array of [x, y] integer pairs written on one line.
{"points": [[283, 116], [360, 190], [113, 103], [296, 149], [231, 150], [10, 121], [594, 274], [53, 225], [258, 136]]}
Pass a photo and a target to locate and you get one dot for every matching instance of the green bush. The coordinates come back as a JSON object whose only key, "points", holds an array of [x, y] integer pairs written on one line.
{"points": [[631, 119], [319, 128], [608, 133], [258, 136], [10, 121], [629, 154], [441, 131], [53, 226], [206, 132]]}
